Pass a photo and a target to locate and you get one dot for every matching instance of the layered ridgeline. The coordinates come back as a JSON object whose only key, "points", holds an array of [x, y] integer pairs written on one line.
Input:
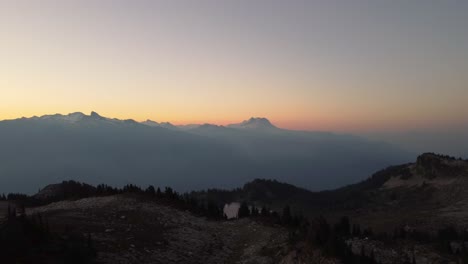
{"points": [[94, 149], [426, 195]]}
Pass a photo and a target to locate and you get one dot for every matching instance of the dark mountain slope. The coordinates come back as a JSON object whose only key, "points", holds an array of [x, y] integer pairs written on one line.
{"points": [[427, 194], [35, 151], [94, 149]]}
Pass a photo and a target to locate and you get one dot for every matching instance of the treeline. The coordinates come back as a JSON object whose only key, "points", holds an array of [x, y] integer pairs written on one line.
{"points": [[71, 190], [447, 240], [317, 233], [442, 156], [335, 240], [66, 190], [13, 196], [168, 196], [27, 239]]}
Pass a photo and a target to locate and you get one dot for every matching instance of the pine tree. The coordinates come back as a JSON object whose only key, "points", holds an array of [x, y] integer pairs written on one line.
{"points": [[243, 210], [356, 230], [343, 228], [254, 211], [169, 193], [264, 211], [150, 190], [372, 257], [323, 231], [286, 217]]}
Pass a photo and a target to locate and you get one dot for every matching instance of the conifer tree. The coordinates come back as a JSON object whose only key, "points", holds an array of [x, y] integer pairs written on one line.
{"points": [[150, 190], [243, 210], [286, 217]]}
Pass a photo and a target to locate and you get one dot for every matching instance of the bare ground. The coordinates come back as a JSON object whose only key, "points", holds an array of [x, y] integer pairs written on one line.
{"points": [[126, 230]]}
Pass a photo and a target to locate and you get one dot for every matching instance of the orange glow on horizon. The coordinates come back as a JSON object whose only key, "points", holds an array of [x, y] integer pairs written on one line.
{"points": [[331, 124], [166, 61]]}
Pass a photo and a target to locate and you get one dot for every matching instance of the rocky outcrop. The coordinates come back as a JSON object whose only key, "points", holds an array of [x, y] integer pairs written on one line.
{"points": [[430, 166], [398, 253]]}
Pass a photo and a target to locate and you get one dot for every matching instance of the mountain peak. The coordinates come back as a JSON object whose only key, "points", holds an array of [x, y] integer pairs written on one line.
{"points": [[261, 120], [76, 114], [74, 117], [261, 123], [151, 123], [95, 115]]}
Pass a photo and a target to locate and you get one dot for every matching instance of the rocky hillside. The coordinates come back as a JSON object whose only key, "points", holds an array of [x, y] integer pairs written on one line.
{"points": [[126, 229], [426, 194]]}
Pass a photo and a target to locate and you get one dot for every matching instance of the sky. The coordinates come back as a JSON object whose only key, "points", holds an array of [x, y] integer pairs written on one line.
{"points": [[316, 65]]}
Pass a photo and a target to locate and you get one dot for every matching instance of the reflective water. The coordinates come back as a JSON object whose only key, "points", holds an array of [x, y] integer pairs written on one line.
{"points": [[230, 210]]}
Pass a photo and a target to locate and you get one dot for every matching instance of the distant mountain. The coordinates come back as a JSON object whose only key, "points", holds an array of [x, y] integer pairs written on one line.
{"points": [[151, 123], [255, 123], [75, 119], [95, 149], [162, 124]]}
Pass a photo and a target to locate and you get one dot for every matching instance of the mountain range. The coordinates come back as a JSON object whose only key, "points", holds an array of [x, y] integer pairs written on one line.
{"points": [[96, 149]]}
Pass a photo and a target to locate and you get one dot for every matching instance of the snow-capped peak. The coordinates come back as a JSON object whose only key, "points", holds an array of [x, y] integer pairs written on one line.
{"points": [[72, 118]]}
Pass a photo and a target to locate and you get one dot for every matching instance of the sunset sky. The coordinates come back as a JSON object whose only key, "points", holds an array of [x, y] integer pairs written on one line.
{"points": [[317, 65]]}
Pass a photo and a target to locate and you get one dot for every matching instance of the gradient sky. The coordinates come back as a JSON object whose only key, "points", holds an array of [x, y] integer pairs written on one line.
{"points": [[319, 65]]}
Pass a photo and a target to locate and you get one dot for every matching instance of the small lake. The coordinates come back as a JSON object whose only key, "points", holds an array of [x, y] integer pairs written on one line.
{"points": [[230, 210]]}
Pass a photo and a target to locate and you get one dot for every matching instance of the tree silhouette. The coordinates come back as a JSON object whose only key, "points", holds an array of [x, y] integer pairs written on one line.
{"points": [[286, 217], [264, 211], [150, 190], [243, 210]]}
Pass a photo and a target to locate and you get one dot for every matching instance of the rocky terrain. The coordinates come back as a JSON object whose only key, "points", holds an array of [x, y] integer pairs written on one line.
{"points": [[417, 212], [411, 213], [125, 229], [404, 253], [427, 194]]}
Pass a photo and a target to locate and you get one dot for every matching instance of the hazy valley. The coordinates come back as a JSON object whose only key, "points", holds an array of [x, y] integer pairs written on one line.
{"points": [[96, 149]]}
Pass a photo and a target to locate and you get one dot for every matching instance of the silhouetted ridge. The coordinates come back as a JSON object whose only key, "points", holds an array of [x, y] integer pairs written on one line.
{"points": [[65, 190], [254, 123], [268, 190], [96, 115]]}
